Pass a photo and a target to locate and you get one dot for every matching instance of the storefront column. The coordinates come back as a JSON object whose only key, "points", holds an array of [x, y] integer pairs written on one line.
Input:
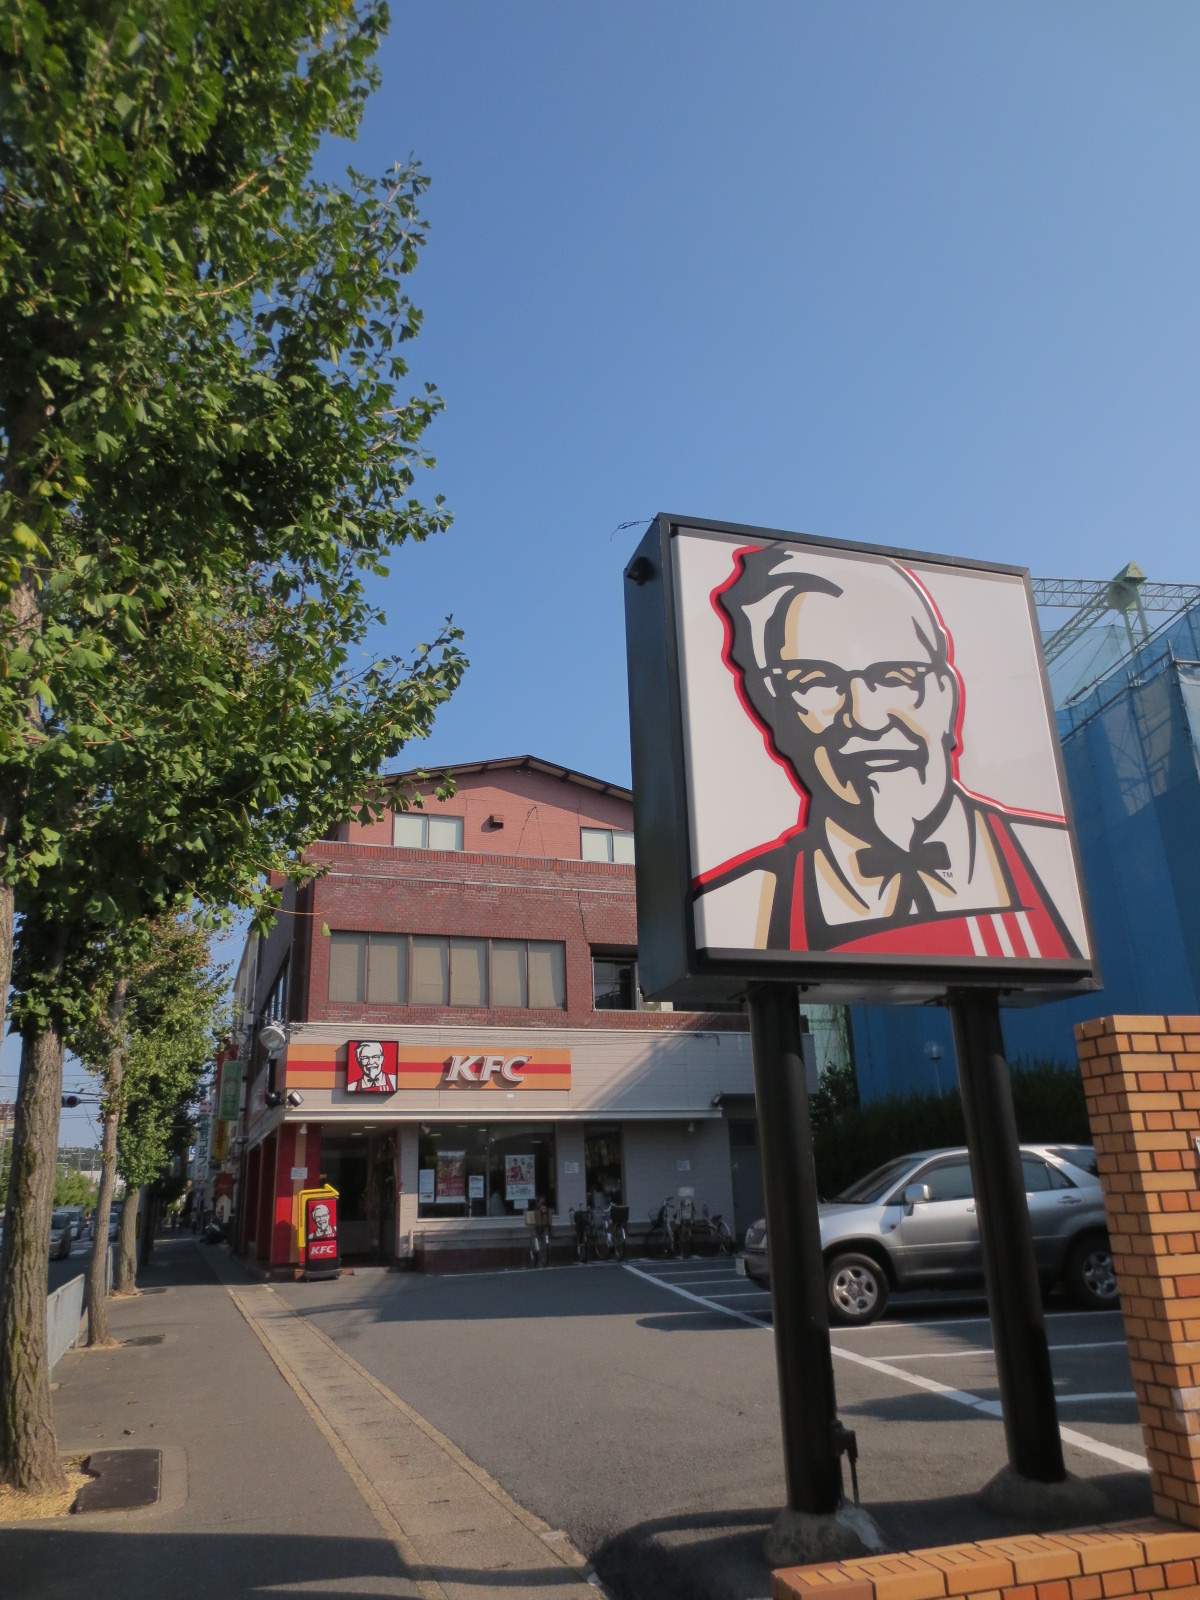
{"points": [[286, 1206], [571, 1185], [408, 1146], [249, 1217], [266, 1193]]}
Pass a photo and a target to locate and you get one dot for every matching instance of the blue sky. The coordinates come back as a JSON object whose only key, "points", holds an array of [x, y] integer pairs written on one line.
{"points": [[924, 275], [921, 274]]}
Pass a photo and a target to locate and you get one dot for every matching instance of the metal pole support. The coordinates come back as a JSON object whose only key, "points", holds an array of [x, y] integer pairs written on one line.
{"points": [[1009, 1264], [807, 1402]]}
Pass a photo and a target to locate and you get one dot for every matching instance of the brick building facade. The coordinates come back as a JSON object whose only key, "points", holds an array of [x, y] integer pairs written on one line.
{"points": [[483, 949]]}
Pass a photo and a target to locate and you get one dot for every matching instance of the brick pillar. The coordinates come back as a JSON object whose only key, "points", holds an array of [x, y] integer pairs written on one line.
{"points": [[1142, 1079]]}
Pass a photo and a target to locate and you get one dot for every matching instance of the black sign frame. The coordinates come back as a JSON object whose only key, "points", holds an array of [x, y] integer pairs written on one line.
{"points": [[670, 965]]}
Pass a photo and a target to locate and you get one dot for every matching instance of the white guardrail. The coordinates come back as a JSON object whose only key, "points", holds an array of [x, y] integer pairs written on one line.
{"points": [[64, 1314]]}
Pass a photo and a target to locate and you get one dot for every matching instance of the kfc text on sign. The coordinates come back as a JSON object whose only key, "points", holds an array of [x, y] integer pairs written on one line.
{"points": [[482, 1068]]}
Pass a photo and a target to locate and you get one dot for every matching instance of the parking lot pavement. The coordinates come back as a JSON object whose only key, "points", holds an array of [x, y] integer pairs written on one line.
{"points": [[935, 1345], [636, 1407]]}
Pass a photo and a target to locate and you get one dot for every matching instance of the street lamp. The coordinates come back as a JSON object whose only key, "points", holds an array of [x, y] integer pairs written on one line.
{"points": [[935, 1052]]}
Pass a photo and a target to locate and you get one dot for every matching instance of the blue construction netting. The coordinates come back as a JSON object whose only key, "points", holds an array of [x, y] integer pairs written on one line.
{"points": [[1131, 748]]}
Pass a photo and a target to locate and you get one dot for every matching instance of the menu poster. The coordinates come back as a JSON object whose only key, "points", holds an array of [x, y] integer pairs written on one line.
{"points": [[425, 1185], [518, 1178], [451, 1178], [475, 1186]]}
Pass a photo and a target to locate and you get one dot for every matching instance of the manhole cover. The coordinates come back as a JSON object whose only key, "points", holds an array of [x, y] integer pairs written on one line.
{"points": [[146, 1338], [122, 1480]]}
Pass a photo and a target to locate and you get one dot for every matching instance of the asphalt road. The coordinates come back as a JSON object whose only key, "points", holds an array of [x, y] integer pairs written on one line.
{"points": [[636, 1406], [72, 1266]]}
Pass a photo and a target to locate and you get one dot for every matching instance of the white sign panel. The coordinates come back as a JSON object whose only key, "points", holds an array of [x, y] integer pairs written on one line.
{"points": [[867, 764]]}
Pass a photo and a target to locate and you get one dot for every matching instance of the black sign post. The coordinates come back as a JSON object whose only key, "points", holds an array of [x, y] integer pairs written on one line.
{"points": [[812, 1467], [1009, 1264]]}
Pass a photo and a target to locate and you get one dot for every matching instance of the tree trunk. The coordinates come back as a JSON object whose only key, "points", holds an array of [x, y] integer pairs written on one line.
{"points": [[96, 1287], [26, 622], [28, 1449], [125, 1267], [146, 1242]]}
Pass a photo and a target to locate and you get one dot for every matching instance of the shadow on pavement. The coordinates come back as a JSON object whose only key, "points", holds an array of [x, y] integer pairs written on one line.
{"points": [[719, 1554], [716, 1554], [62, 1564], [695, 1322], [917, 1524]]}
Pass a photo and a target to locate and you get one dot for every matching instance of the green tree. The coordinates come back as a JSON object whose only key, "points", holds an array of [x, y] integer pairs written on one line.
{"points": [[174, 1014], [73, 1188], [148, 1038], [206, 452]]}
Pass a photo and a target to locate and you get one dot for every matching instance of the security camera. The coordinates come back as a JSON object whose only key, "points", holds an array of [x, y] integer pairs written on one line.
{"points": [[273, 1038], [295, 1099]]}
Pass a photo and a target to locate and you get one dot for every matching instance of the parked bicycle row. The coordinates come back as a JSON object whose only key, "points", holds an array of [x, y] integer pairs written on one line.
{"points": [[601, 1233]]}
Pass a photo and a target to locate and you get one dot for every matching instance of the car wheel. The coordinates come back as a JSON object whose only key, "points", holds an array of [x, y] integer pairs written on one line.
{"points": [[857, 1288], [1090, 1275]]}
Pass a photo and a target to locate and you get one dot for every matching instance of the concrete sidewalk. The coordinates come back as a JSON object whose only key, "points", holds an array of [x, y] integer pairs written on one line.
{"points": [[286, 1467]]}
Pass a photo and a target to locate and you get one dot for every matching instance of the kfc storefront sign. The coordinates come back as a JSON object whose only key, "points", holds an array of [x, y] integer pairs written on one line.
{"points": [[846, 771], [379, 1066]]}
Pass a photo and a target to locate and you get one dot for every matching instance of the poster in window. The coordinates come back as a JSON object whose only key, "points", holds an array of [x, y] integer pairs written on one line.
{"points": [[425, 1185], [475, 1186], [518, 1178], [371, 1066], [451, 1179]]}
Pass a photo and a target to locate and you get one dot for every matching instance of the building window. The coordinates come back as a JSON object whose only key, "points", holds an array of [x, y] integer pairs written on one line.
{"points": [[397, 969], [275, 1006], [606, 844], [499, 1171], [614, 983], [602, 1166], [413, 830]]}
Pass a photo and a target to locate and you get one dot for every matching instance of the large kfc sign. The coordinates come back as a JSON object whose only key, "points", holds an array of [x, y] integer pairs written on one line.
{"points": [[376, 1066], [846, 771]]}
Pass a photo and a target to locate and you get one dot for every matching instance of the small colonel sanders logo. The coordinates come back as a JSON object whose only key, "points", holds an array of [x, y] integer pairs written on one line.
{"points": [[371, 1067]]}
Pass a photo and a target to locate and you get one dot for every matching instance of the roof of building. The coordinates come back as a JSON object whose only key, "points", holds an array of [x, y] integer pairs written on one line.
{"points": [[549, 769]]}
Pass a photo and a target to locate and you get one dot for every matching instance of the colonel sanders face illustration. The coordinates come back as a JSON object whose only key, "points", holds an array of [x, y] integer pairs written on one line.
{"points": [[847, 667], [322, 1228], [854, 681], [372, 1074]]}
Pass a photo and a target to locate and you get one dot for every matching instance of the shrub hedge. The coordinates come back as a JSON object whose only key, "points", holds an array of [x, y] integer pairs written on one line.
{"points": [[849, 1140]]}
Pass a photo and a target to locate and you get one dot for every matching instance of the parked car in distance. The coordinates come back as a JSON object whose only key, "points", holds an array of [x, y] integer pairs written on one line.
{"points": [[62, 1231], [75, 1213], [911, 1224]]}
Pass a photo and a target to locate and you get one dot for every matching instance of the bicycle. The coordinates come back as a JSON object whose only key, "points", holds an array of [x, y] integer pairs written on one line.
{"points": [[601, 1231], [538, 1219], [664, 1232], [585, 1234], [707, 1234]]}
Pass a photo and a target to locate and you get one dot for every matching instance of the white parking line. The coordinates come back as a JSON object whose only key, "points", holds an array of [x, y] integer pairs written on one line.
{"points": [[1078, 1399], [698, 1299], [962, 1397], [903, 1323], [979, 1350]]}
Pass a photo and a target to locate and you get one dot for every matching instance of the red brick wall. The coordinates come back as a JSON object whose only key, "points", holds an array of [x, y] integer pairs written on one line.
{"points": [[542, 814], [1138, 1559], [523, 881], [1142, 1078], [587, 905]]}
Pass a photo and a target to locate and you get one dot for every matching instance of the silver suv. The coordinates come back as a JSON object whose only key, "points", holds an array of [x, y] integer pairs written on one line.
{"points": [[911, 1224]]}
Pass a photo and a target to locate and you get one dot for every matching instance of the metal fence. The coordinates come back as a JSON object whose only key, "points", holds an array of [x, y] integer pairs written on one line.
{"points": [[64, 1312]]}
